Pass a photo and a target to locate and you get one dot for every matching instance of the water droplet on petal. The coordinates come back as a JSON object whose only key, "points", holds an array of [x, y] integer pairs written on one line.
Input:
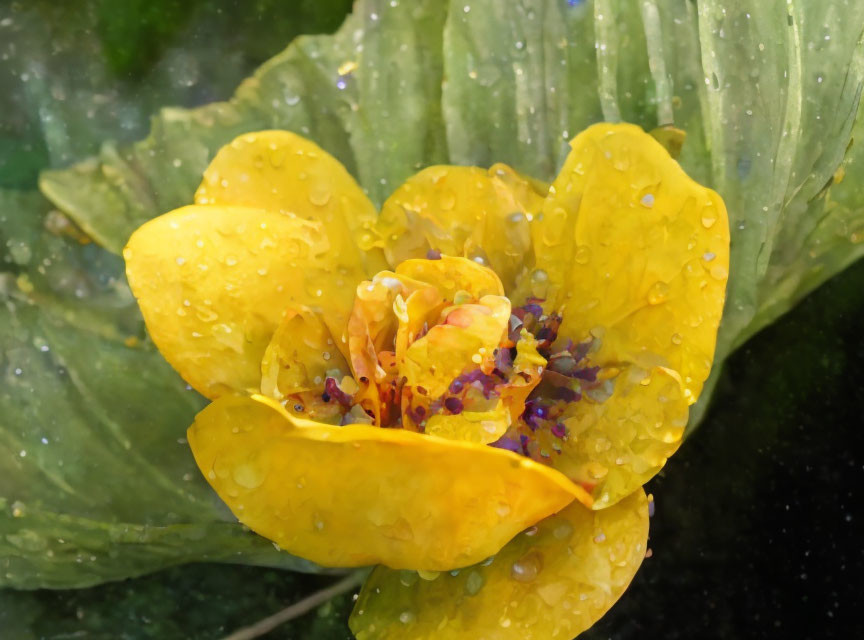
{"points": [[447, 199], [248, 476], [205, 315], [582, 255], [539, 275], [319, 195], [658, 292]]}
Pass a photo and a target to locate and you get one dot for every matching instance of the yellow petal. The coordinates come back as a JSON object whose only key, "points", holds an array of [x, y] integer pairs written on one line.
{"points": [[550, 583], [451, 274], [300, 356], [283, 172], [630, 246], [372, 332], [359, 495], [470, 334], [614, 445], [481, 427], [213, 282], [462, 211]]}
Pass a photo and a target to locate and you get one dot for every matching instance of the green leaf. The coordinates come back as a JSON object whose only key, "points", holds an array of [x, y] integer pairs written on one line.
{"points": [[396, 51], [196, 602], [768, 93], [98, 482]]}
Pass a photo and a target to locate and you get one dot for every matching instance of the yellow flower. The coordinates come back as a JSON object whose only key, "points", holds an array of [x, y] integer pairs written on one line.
{"points": [[478, 381]]}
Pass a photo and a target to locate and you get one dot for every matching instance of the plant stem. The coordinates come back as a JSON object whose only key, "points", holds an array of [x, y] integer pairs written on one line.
{"points": [[297, 609]]}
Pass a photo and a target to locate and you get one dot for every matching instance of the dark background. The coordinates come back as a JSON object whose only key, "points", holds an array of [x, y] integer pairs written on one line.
{"points": [[758, 528]]}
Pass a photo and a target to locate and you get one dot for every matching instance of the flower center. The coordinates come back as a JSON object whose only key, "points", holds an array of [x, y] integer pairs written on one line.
{"points": [[435, 347]]}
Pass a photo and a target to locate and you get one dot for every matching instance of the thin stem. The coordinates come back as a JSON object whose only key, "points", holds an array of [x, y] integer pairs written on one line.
{"points": [[297, 609]]}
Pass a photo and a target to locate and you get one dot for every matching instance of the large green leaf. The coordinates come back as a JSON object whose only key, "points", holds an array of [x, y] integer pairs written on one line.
{"points": [[768, 93], [97, 480], [360, 116]]}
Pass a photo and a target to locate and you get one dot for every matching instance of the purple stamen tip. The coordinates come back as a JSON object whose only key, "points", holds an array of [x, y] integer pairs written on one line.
{"points": [[453, 405]]}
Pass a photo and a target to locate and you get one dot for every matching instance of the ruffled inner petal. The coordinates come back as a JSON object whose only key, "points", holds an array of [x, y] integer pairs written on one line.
{"points": [[462, 211]]}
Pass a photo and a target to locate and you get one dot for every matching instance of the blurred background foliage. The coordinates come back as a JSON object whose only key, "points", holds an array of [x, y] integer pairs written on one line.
{"points": [[757, 533], [96, 70]]}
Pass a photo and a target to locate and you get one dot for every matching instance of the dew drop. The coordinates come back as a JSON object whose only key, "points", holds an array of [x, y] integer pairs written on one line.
{"points": [[407, 617], [408, 578], [447, 200], [709, 218], [429, 575], [647, 200], [658, 293], [248, 476], [582, 255], [277, 157], [474, 583], [539, 275], [205, 315], [719, 272], [319, 195]]}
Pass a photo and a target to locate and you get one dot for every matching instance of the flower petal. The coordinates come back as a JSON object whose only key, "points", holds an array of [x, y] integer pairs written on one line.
{"points": [[372, 333], [392, 309], [359, 495], [550, 583], [213, 282], [283, 172], [450, 274], [470, 333], [462, 211], [300, 356], [482, 427], [630, 245], [615, 444]]}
